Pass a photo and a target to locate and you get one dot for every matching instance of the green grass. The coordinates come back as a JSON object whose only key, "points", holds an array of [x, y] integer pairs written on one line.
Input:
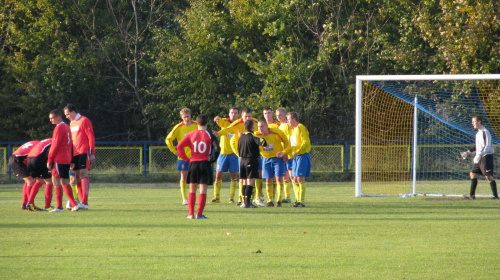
{"points": [[134, 232]]}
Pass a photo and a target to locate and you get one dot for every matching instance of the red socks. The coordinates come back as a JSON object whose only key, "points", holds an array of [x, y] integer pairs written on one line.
{"points": [[202, 199], [48, 195], [59, 195], [25, 193], [80, 190], [85, 183], [34, 191], [191, 202], [69, 194]]}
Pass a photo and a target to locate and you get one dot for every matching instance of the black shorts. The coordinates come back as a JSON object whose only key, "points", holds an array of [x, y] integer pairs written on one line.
{"points": [[81, 162], [485, 166], [60, 171], [249, 168], [38, 167], [18, 166], [200, 172]]}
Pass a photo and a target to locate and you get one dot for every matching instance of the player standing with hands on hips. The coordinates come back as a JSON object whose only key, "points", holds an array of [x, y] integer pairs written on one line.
{"points": [[483, 160], [205, 150]]}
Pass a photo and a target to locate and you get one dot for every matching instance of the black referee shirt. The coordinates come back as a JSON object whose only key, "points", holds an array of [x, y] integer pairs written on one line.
{"points": [[248, 145]]}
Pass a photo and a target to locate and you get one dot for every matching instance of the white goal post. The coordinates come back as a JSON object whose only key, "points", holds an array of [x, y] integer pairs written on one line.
{"points": [[410, 130]]}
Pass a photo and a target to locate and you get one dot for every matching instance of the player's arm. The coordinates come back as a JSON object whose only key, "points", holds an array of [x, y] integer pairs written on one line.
{"points": [[185, 142], [305, 142], [285, 143], [221, 122], [170, 140], [232, 128], [260, 141], [89, 131], [56, 142], [233, 143], [215, 148]]}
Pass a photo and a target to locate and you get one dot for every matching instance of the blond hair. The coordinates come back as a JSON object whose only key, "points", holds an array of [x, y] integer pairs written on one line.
{"points": [[185, 111]]}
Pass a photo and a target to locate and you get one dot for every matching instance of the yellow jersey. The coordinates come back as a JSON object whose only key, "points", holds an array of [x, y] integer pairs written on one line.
{"points": [[178, 133], [225, 146], [299, 140], [236, 128], [276, 142]]}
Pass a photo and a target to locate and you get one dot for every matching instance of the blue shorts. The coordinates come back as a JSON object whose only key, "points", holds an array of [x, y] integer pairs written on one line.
{"points": [[273, 167], [227, 163], [302, 165], [289, 164], [182, 165]]}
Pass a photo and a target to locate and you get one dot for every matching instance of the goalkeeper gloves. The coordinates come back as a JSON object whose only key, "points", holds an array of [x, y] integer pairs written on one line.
{"points": [[464, 155], [476, 159]]}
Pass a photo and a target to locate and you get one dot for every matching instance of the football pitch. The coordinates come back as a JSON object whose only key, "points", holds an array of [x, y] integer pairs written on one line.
{"points": [[141, 232]]}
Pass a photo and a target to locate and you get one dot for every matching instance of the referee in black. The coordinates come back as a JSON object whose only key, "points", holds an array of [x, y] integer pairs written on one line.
{"points": [[248, 150]]}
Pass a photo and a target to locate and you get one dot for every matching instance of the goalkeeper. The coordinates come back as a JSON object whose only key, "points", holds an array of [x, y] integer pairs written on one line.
{"points": [[483, 160]]}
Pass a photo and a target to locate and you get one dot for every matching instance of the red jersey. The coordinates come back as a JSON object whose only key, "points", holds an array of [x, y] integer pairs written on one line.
{"points": [[39, 148], [61, 149], [201, 143], [24, 150], [83, 137]]}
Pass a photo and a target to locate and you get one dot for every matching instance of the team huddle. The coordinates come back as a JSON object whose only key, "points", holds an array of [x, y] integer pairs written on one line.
{"points": [[61, 163], [277, 151]]}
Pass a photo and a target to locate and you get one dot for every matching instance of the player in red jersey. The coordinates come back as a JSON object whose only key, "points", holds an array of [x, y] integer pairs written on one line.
{"points": [[205, 150], [19, 164], [82, 134], [59, 160], [37, 166]]}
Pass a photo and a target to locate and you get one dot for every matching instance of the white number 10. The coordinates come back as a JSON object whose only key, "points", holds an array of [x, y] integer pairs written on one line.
{"points": [[200, 147]]}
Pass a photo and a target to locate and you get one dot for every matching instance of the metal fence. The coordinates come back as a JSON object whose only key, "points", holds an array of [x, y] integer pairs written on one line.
{"points": [[328, 157]]}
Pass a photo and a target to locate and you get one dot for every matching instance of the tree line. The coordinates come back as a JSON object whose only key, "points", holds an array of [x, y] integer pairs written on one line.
{"points": [[130, 66]]}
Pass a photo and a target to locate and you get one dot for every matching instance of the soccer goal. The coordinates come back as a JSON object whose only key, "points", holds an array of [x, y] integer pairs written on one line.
{"points": [[410, 130]]}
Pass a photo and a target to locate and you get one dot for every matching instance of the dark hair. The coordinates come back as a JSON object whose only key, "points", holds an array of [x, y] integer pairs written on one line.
{"points": [[56, 112], [478, 119], [267, 109], [247, 110], [294, 115], [202, 119], [249, 125], [234, 108], [70, 107]]}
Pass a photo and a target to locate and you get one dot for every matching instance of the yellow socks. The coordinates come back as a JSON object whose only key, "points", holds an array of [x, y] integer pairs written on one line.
{"points": [[279, 191], [270, 191], [217, 187], [286, 187], [302, 191], [75, 192], [184, 190], [258, 187]]}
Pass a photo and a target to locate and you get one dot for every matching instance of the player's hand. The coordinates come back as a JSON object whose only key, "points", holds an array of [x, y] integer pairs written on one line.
{"points": [[279, 154], [216, 119], [49, 165], [92, 158], [214, 132], [476, 159]]}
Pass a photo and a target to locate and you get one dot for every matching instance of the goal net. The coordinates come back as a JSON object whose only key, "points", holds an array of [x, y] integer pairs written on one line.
{"points": [[410, 131]]}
